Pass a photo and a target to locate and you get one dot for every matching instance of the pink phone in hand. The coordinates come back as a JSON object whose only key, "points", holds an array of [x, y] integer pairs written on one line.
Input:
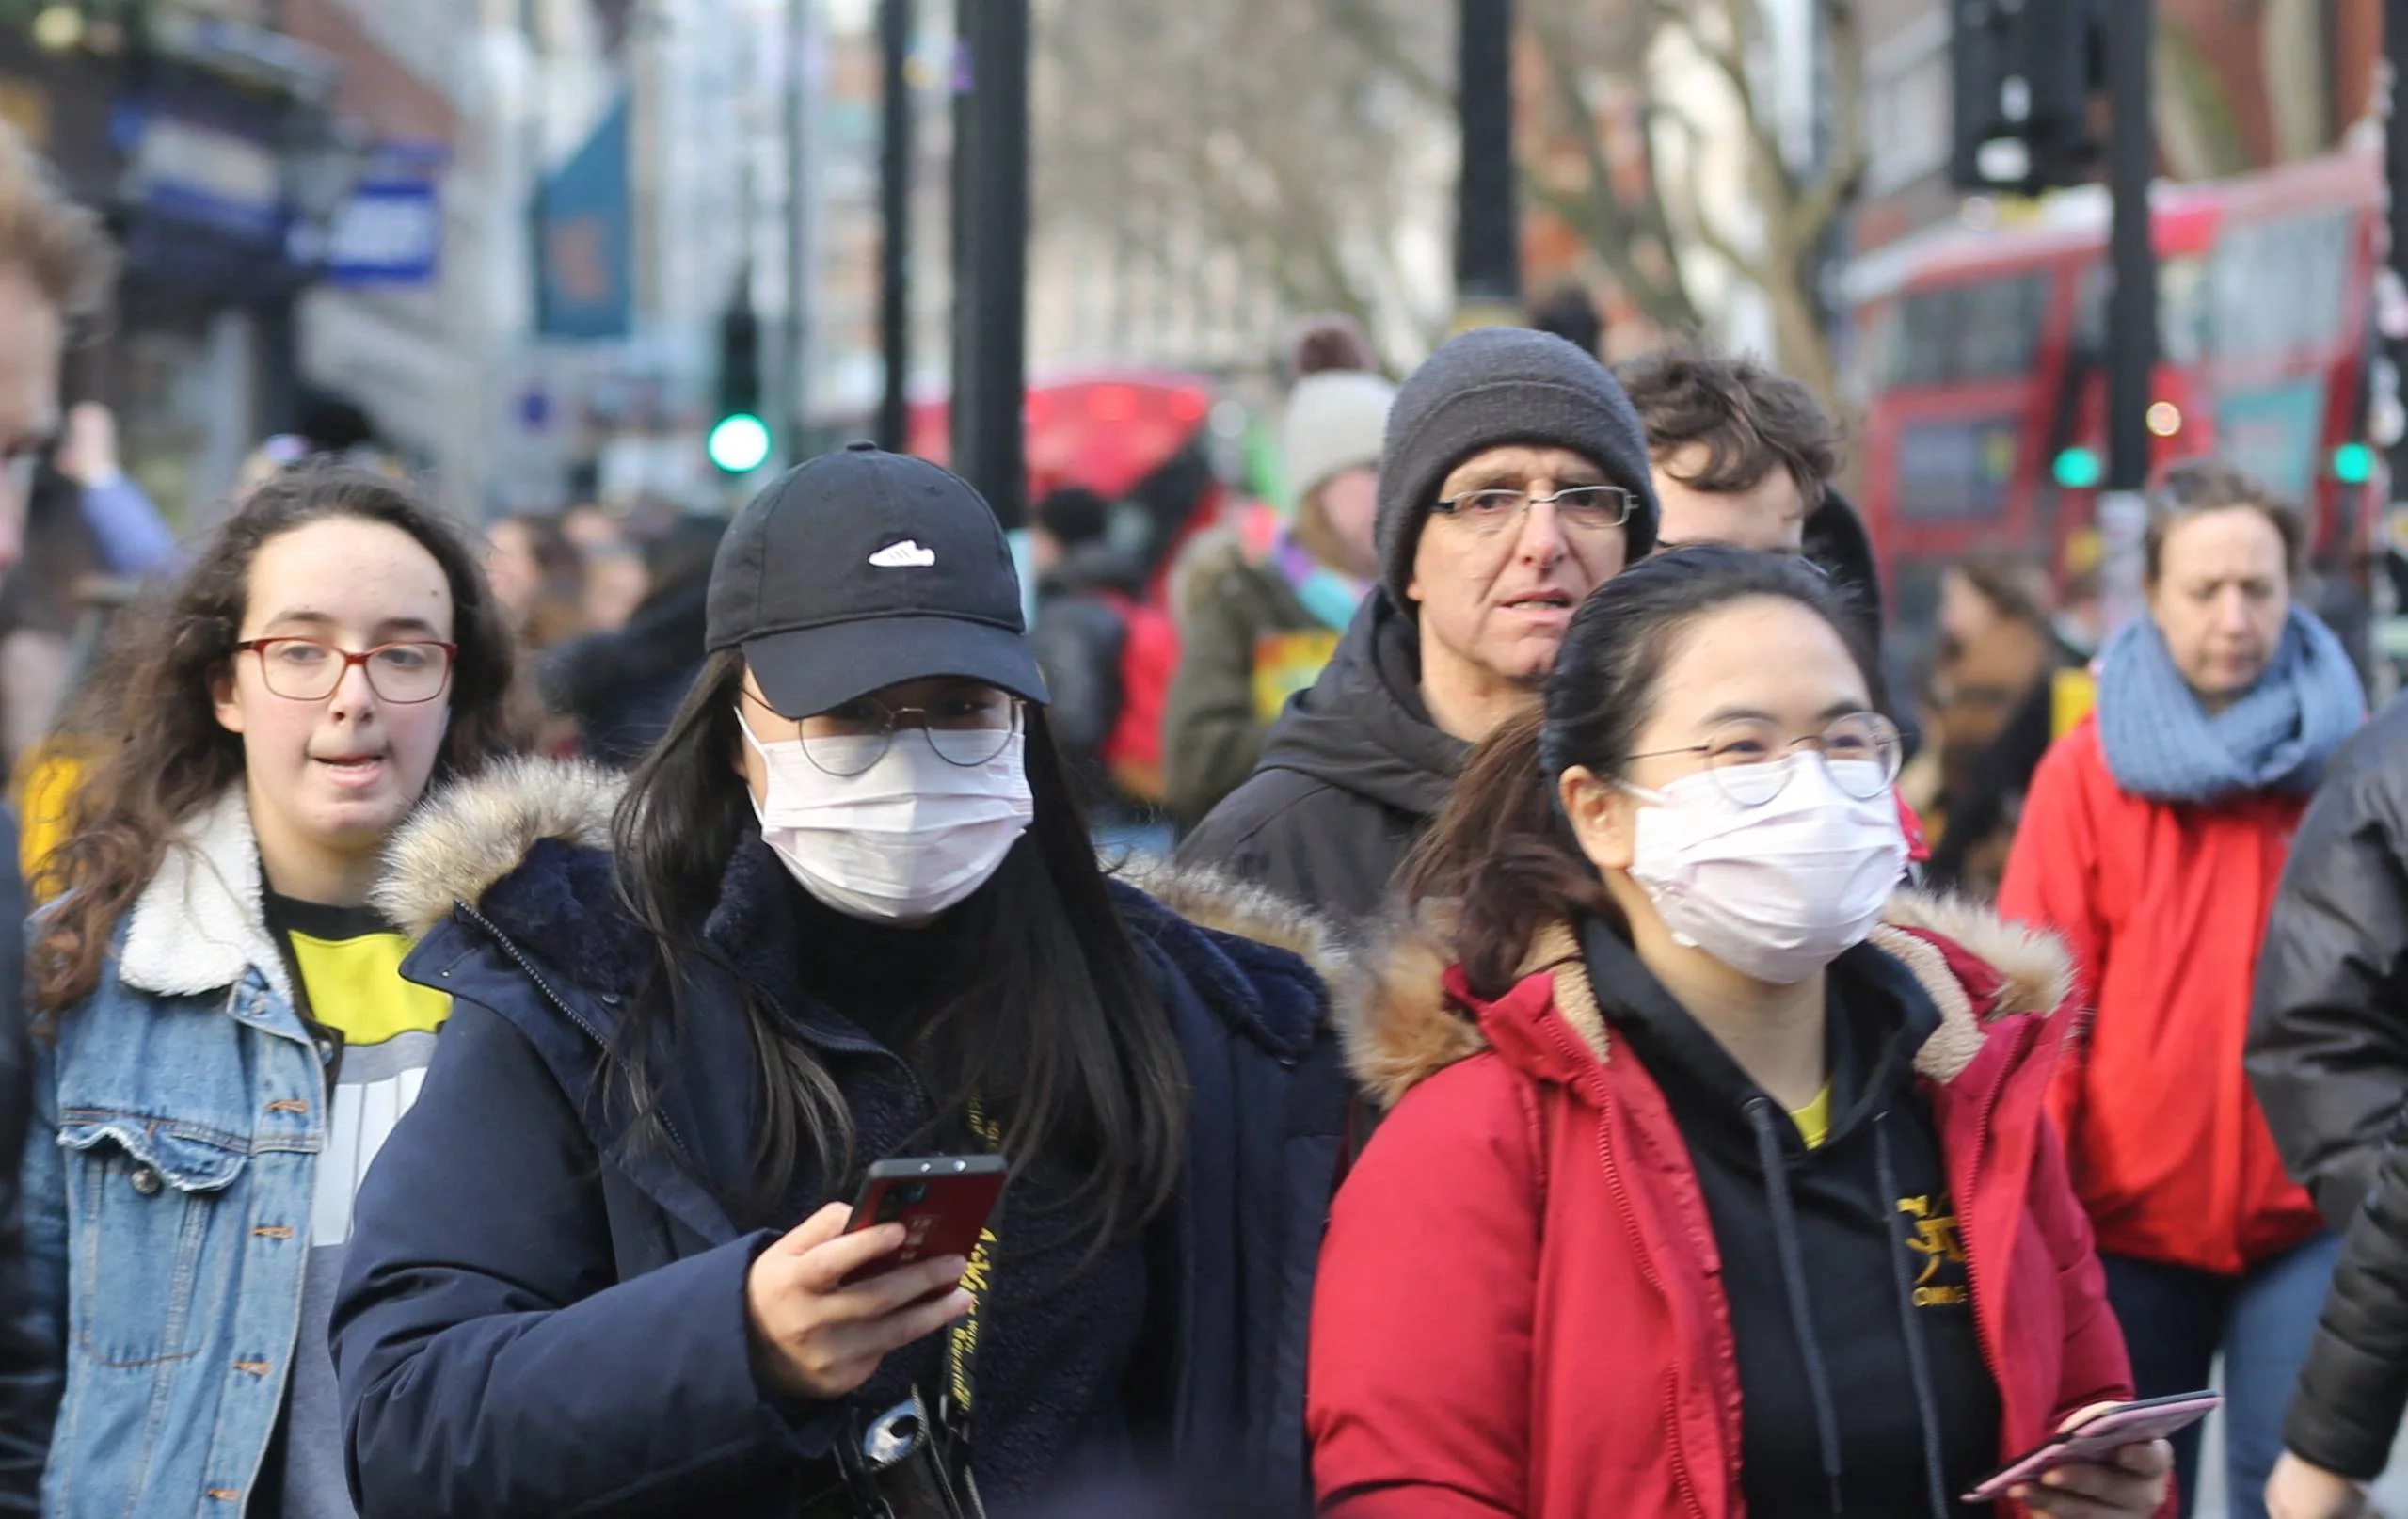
{"points": [[2098, 1438]]}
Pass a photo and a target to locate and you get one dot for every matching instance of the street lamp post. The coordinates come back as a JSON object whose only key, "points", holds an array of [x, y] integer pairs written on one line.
{"points": [[895, 209], [2132, 311], [1487, 223], [991, 239]]}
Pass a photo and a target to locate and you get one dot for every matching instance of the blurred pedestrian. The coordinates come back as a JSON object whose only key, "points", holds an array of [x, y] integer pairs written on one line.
{"points": [[57, 270], [844, 912], [226, 1042], [2152, 841], [1513, 481], [1087, 591], [538, 577], [1995, 698], [2328, 1056], [622, 686], [615, 581], [1715, 1177], [1261, 602], [1569, 312], [135, 540]]}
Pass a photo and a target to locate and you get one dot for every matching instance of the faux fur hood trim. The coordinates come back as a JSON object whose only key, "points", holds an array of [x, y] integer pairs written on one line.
{"points": [[202, 922], [1224, 904], [465, 838], [1404, 1027]]}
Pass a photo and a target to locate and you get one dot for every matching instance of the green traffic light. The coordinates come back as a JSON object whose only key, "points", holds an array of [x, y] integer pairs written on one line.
{"points": [[2353, 464], [739, 443], [2079, 468]]}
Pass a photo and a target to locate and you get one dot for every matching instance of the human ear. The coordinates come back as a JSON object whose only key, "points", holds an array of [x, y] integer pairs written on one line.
{"points": [[1602, 814]]}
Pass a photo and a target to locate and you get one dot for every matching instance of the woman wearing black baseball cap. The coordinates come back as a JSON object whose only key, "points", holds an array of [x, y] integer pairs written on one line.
{"points": [[846, 911]]}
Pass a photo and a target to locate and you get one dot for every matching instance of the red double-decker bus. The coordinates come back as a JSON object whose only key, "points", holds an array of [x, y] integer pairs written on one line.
{"points": [[1982, 362]]}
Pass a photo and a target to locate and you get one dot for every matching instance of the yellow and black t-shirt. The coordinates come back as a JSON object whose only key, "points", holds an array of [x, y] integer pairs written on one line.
{"points": [[378, 1031]]}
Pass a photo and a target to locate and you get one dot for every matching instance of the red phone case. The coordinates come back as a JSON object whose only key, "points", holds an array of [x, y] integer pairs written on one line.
{"points": [[2098, 1437], [942, 1201]]}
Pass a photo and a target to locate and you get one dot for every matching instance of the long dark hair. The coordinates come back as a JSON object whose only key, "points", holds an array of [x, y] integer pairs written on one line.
{"points": [[1056, 1030], [155, 751], [1502, 850]]}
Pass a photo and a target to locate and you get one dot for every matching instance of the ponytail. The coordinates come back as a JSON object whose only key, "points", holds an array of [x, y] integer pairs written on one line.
{"points": [[1502, 853]]}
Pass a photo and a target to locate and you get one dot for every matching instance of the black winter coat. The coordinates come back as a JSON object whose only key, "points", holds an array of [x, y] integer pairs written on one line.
{"points": [[1079, 638], [1352, 776], [2328, 1056], [538, 1318]]}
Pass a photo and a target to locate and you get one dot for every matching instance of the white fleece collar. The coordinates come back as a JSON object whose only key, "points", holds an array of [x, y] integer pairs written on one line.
{"points": [[202, 920]]}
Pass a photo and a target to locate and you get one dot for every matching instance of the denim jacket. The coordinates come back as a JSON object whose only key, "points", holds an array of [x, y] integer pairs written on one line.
{"points": [[177, 1124]]}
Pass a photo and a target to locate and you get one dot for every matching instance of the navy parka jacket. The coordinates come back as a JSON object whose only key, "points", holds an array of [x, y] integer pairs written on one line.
{"points": [[537, 1319]]}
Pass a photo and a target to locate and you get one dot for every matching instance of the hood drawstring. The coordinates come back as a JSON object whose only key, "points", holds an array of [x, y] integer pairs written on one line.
{"points": [[1918, 1360], [1818, 1381]]}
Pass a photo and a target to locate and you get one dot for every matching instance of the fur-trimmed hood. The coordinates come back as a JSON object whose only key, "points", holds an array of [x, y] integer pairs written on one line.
{"points": [[467, 840], [1405, 1026]]}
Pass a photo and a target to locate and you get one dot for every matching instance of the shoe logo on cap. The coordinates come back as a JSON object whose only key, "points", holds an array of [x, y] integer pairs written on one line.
{"points": [[907, 554]]}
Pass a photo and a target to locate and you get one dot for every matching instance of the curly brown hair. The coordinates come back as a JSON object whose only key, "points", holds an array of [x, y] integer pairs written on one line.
{"points": [[1750, 420], [149, 725]]}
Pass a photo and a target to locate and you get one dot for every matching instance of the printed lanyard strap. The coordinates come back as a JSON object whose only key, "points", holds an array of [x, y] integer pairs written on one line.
{"points": [[962, 1343]]}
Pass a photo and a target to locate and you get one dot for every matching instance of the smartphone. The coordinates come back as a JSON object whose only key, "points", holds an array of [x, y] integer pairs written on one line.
{"points": [[942, 1201], [2098, 1437]]}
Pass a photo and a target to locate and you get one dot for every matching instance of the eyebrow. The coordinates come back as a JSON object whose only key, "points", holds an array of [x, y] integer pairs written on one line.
{"points": [[1497, 476], [386, 629], [1751, 714]]}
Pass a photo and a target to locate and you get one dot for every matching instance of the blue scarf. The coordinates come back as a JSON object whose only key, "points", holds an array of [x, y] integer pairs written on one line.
{"points": [[2161, 744]]}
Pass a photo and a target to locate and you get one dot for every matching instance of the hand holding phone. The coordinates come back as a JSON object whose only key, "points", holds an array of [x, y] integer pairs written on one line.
{"points": [[816, 1330], [942, 1203], [2095, 1437]]}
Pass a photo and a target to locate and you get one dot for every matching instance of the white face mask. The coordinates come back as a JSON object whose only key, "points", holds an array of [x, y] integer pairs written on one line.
{"points": [[1776, 891], [905, 839]]}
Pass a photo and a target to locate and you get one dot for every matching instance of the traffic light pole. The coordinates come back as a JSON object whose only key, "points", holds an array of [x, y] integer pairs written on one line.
{"points": [[991, 220], [1488, 222], [895, 209], [2131, 312]]}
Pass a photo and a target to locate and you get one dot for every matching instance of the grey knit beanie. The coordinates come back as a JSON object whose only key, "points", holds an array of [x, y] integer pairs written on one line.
{"points": [[1489, 388]]}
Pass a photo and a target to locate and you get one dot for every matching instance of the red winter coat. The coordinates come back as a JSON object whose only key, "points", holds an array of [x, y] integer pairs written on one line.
{"points": [[2163, 908], [1519, 1310]]}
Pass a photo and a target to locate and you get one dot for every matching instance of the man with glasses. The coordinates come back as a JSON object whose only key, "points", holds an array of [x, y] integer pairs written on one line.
{"points": [[55, 269], [1514, 480]]}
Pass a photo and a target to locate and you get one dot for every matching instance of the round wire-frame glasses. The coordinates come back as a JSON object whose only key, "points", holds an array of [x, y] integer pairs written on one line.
{"points": [[967, 729]]}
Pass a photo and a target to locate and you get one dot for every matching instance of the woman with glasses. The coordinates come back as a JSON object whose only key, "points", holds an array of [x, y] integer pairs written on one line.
{"points": [[1717, 1178], [2153, 840], [846, 911], [223, 1042]]}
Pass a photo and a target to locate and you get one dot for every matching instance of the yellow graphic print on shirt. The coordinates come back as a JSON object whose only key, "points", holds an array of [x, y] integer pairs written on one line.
{"points": [[388, 1026], [1938, 1252]]}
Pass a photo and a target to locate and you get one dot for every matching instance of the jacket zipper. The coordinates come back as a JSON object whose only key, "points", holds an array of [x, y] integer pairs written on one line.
{"points": [[1964, 1216], [1623, 1204], [527, 966]]}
